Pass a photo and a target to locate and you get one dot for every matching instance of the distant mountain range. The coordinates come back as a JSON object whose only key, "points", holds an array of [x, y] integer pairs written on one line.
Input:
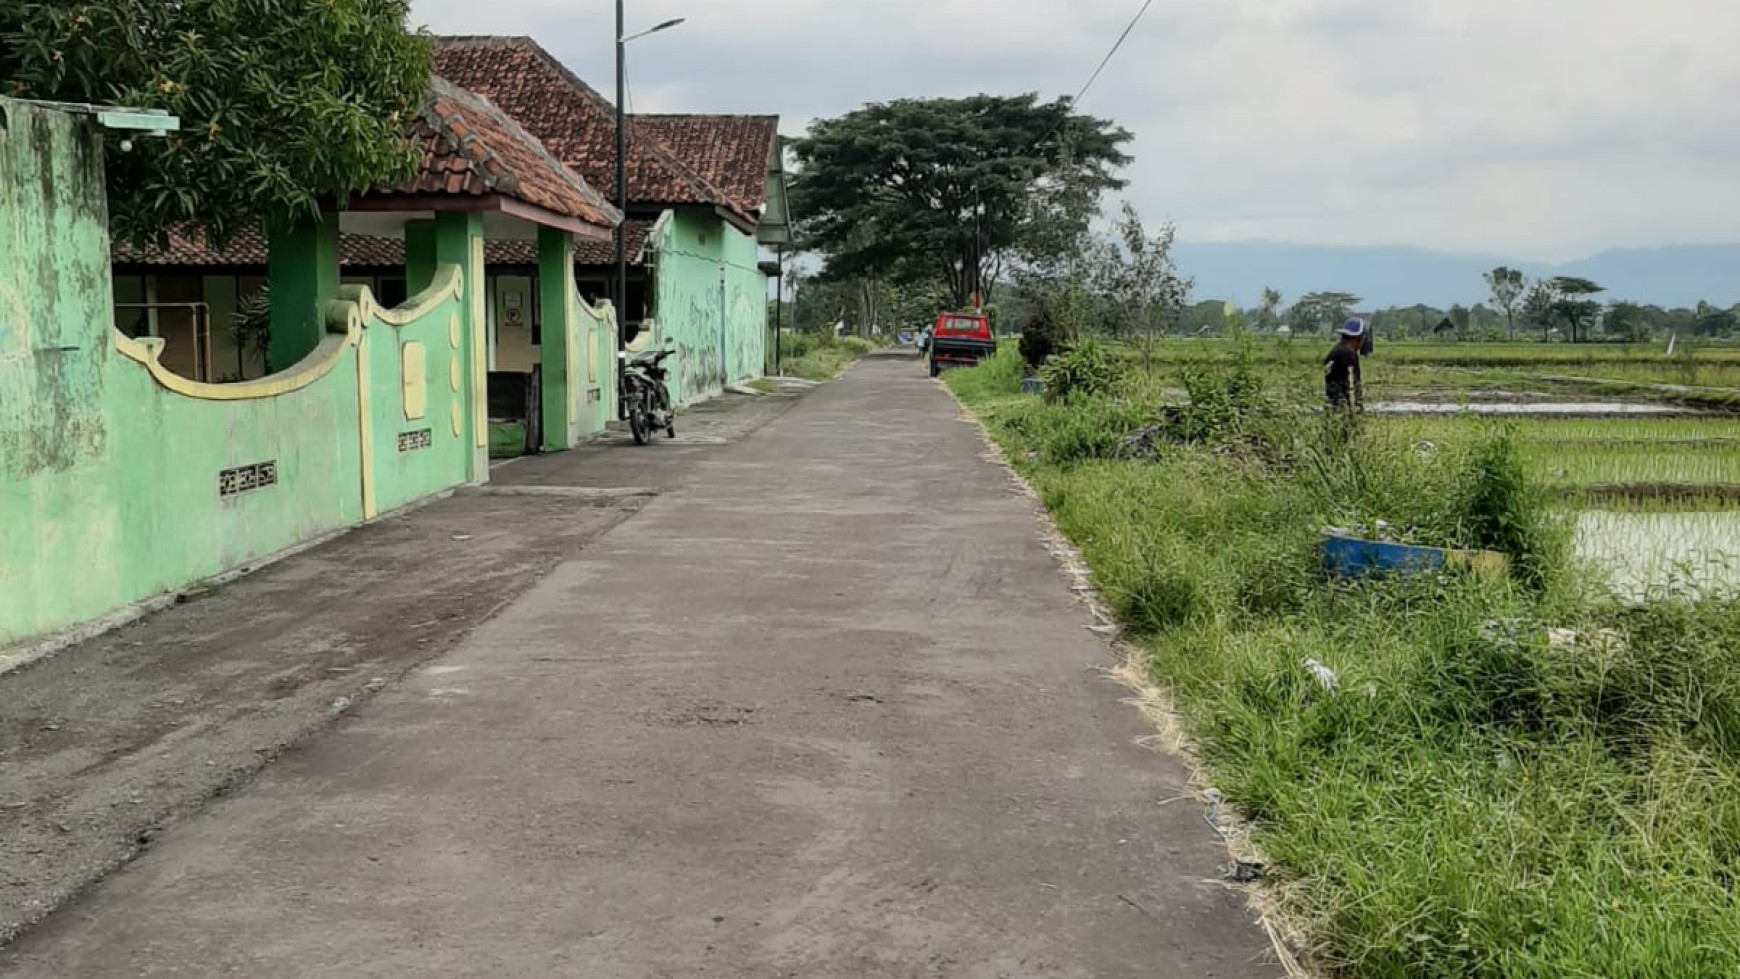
{"points": [[1680, 275]]}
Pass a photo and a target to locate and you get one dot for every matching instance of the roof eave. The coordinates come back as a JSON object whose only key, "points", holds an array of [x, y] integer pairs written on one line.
{"points": [[741, 222], [483, 203]]}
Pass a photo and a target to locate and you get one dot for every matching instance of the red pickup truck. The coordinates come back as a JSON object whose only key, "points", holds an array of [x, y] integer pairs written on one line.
{"points": [[960, 340]]}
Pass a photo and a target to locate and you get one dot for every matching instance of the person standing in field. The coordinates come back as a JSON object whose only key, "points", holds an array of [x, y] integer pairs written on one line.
{"points": [[1342, 383]]}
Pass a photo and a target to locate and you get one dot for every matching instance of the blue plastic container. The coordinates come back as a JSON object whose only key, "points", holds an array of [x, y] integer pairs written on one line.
{"points": [[1351, 557]]}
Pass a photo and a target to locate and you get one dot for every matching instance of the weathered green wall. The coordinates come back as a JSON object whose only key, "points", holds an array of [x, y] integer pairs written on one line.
{"points": [[110, 466], [593, 340], [712, 300], [576, 351]]}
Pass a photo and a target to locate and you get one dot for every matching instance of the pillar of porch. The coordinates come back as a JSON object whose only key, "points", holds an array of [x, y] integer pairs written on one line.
{"points": [[558, 342], [459, 241], [302, 274]]}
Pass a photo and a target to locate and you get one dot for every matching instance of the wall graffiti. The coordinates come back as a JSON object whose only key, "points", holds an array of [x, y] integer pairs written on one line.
{"points": [[708, 306]]}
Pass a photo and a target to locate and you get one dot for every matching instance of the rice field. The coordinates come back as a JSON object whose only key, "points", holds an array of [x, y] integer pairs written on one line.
{"points": [[1518, 368], [1664, 555], [1641, 448], [1656, 501]]}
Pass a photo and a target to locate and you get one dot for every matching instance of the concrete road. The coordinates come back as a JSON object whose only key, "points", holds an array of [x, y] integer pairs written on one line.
{"points": [[823, 710]]}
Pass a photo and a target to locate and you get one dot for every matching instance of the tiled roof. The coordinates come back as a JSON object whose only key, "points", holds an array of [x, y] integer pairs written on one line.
{"points": [[730, 151], [574, 121], [586, 251], [248, 250], [472, 148]]}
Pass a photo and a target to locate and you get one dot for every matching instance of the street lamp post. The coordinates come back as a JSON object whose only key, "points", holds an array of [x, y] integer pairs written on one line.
{"points": [[622, 39]]}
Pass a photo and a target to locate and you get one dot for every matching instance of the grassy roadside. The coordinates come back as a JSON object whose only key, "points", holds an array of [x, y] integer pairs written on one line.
{"points": [[819, 357], [1481, 795]]}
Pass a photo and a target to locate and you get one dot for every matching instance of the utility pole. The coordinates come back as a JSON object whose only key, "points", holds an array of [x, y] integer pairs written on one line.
{"points": [[621, 198], [622, 39]]}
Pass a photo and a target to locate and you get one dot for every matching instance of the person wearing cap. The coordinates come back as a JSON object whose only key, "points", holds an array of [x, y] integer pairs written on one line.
{"points": [[1341, 378]]}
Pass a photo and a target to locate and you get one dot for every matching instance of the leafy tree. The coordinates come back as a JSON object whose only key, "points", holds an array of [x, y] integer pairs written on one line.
{"points": [[818, 304], [1460, 316], [1628, 321], [1318, 311], [1045, 332], [1142, 280], [281, 103], [1574, 304], [1507, 286], [1539, 306], [1714, 322], [1268, 314], [948, 187]]}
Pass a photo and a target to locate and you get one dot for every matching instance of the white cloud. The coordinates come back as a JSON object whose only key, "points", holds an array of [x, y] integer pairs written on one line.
{"points": [[1543, 129]]}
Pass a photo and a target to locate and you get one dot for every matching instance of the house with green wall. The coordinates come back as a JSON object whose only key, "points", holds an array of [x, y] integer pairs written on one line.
{"points": [[122, 478], [706, 196], [706, 193]]}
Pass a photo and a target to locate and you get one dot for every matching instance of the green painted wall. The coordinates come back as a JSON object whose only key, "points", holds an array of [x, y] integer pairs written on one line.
{"points": [[595, 338], [712, 300], [110, 479], [416, 451]]}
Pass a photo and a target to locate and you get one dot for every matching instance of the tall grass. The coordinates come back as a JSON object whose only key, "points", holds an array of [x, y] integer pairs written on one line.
{"points": [[1482, 796], [819, 356]]}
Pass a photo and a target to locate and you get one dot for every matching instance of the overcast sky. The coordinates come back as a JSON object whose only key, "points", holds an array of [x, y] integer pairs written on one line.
{"points": [[1533, 129]]}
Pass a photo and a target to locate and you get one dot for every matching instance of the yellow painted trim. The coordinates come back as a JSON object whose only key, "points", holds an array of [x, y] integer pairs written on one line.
{"points": [[326, 356], [479, 353], [577, 332], [414, 380], [600, 312], [449, 283], [365, 428], [453, 377]]}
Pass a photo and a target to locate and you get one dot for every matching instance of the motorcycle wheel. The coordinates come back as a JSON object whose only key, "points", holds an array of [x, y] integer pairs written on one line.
{"points": [[638, 423]]}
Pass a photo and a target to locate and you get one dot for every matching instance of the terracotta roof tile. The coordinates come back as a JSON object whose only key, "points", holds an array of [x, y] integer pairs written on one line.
{"points": [[471, 147], [574, 121], [731, 151], [247, 250]]}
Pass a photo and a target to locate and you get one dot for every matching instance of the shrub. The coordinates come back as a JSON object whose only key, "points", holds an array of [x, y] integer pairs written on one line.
{"points": [[1225, 394], [1501, 511], [1043, 335], [1085, 370]]}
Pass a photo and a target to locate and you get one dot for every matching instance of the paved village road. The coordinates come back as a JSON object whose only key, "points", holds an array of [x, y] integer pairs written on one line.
{"points": [[824, 709]]}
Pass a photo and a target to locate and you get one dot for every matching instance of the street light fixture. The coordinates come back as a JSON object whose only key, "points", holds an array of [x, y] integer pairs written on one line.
{"points": [[667, 25], [622, 39]]}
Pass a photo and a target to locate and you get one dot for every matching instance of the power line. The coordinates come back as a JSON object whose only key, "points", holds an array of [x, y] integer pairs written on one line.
{"points": [[1112, 53]]}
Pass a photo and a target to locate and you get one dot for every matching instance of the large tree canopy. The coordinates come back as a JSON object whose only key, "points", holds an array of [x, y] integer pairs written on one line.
{"points": [[920, 188], [282, 102]]}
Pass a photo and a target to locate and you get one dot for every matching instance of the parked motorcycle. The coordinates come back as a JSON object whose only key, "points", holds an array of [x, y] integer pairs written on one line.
{"points": [[646, 398]]}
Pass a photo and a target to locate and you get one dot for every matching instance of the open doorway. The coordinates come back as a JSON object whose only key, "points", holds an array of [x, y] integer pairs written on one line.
{"points": [[515, 371]]}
